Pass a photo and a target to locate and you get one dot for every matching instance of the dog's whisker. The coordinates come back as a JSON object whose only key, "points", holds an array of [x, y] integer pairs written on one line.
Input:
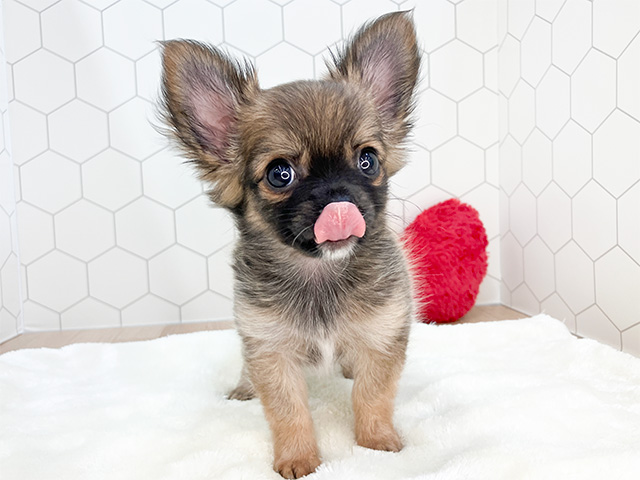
{"points": [[298, 235], [406, 200]]}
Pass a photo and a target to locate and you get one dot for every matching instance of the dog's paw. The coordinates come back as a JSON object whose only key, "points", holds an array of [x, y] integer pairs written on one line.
{"points": [[241, 392], [298, 467], [388, 441]]}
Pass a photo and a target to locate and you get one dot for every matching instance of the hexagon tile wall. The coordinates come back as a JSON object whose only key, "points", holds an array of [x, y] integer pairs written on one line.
{"points": [[113, 230], [570, 164], [10, 297]]}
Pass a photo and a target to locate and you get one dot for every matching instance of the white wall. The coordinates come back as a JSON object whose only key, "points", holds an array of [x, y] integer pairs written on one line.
{"points": [[114, 230], [10, 298], [570, 164]]}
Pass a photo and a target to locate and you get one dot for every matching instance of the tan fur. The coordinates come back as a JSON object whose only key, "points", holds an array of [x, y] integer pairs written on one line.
{"points": [[375, 352], [300, 304], [371, 347], [219, 167], [269, 131], [275, 376], [376, 375]]}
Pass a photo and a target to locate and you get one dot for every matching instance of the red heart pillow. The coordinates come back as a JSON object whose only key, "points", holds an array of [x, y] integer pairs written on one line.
{"points": [[447, 250]]}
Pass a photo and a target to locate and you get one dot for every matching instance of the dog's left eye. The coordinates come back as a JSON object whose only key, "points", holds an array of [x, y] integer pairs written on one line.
{"points": [[280, 174], [368, 162]]}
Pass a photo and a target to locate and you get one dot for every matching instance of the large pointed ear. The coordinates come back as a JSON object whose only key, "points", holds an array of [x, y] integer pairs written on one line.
{"points": [[383, 57], [202, 92]]}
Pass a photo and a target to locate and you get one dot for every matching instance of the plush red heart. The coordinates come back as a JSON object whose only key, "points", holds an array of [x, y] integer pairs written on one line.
{"points": [[447, 249]]}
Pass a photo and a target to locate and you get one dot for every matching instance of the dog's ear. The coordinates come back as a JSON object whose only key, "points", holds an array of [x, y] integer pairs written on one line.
{"points": [[383, 57], [202, 92]]}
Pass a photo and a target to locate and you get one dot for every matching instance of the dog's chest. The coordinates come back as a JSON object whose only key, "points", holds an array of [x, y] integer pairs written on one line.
{"points": [[321, 354], [316, 297], [321, 303]]}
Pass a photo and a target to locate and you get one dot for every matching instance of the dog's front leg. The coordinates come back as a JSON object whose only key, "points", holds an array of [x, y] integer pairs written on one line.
{"points": [[282, 389], [374, 390]]}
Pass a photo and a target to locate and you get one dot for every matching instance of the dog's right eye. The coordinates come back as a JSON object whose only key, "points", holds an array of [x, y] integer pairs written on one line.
{"points": [[280, 174]]}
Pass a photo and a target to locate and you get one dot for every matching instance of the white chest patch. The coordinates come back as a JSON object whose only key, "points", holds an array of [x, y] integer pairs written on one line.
{"points": [[327, 350]]}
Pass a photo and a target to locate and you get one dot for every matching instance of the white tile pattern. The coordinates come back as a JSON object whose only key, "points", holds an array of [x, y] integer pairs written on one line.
{"points": [[11, 298], [534, 101], [581, 247]]}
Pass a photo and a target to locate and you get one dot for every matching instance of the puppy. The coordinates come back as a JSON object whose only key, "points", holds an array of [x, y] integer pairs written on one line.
{"points": [[304, 169]]}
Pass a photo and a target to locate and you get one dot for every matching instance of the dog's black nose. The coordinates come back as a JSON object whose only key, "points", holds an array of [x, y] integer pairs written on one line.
{"points": [[338, 191], [340, 197]]}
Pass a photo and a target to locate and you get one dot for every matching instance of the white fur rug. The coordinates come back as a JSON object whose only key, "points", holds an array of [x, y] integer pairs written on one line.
{"points": [[508, 400]]}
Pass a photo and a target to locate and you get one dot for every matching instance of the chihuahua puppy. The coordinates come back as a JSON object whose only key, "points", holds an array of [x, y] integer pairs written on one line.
{"points": [[304, 169]]}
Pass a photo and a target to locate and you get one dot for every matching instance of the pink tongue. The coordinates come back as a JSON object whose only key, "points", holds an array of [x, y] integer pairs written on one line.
{"points": [[338, 221]]}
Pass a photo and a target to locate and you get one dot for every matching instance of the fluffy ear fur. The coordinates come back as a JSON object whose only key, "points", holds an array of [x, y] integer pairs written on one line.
{"points": [[202, 91], [383, 57]]}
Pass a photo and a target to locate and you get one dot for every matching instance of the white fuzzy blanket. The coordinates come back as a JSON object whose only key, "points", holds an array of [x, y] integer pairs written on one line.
{"points": [[508, 400]]}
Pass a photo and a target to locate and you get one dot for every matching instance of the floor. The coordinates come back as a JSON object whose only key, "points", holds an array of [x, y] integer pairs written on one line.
{"points": [[484, 313]]}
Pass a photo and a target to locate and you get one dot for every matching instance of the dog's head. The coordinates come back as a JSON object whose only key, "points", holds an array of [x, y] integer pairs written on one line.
{"points": [[305, 162]]}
